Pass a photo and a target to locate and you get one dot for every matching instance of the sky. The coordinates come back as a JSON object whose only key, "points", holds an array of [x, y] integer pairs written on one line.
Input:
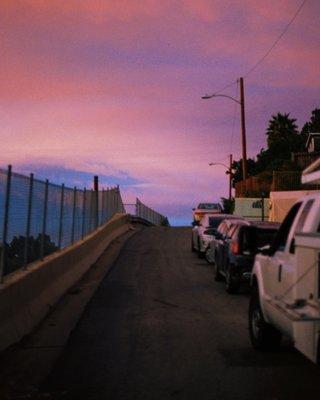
{"points": [[114, 88]]}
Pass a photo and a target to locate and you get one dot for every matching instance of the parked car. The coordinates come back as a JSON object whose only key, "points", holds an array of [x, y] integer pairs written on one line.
{"points": [[285, 283], [235, 254], [206, 208], [204, 232], [223, 233]]}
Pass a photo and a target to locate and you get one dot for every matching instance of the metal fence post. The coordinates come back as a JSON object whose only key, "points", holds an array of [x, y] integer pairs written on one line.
{"points": [[102, 207], [61, 216], [73, 213], [26, 243], [83, 212], [96, 191], [5, 223], [44, 221], [92, 214]]}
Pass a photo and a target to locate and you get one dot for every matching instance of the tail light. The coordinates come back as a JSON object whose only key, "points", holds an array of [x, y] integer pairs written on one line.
{"points": [[235, 248]]}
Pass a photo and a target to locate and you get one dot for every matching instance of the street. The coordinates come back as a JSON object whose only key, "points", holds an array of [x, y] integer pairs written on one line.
{"points": [[160, 327]]}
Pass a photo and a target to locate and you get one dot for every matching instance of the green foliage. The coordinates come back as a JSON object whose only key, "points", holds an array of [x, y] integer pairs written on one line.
{"points": [[227, 205], [15, 250], [165, 222], [314, 124], [281, 129], [283, 138]]}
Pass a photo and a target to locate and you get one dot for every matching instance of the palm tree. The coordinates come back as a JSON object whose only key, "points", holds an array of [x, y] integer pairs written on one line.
{"points": [[281, 128]]}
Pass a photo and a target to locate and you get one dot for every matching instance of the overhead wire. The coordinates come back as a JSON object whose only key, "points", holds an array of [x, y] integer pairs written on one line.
{"points": [[260, 61]]}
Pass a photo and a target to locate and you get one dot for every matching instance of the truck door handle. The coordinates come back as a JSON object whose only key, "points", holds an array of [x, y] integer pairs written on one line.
{"points": [[279, 273]]}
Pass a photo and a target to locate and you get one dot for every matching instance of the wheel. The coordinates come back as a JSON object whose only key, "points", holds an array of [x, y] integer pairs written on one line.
{"points": [[263, 336], [207, 256], [217, 275], [232, 282], [192, 246], [200, 253]]}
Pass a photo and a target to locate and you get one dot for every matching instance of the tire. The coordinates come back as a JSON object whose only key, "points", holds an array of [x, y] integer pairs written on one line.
{"points": [[217, 275], [232, 282], [206, 256], [192, 246], [200, 253], [263, 336]]}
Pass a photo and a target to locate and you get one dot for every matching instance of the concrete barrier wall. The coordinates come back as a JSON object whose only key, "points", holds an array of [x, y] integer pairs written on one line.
{"points": [[27, 296]]}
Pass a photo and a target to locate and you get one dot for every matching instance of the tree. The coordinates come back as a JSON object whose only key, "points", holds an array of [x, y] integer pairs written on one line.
{"points": [[165, 222], [237, 169], [281, 128], [314, 124], [227, 205]]}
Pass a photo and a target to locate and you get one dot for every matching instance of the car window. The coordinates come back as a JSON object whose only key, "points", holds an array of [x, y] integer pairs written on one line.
{"points": [[232, 230], [254, 237], [303, 215], [209, 206], [235, 233], [281, 237], [221, 227], [214, 222]]}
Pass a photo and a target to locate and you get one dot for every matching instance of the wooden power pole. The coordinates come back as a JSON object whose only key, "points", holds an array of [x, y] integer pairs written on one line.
{"points": [[243, 132], [230, 176]]}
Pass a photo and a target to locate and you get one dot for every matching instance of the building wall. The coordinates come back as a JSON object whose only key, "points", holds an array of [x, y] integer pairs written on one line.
{"points": [[251, 208]]}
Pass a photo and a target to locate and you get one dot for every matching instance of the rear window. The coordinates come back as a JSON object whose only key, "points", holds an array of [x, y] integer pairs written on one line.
{"points": [[214, 221], [257, 237], [209, 206]]}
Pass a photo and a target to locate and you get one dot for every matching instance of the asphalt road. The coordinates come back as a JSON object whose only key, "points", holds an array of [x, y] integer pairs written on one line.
{"points": [[160, 327]]}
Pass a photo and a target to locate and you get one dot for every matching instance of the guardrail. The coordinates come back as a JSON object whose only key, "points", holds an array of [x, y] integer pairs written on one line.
{"points": [[38, 217]]}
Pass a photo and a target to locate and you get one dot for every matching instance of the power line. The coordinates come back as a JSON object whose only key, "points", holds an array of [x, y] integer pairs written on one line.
{"points": [[277, 40], [260, 61]]}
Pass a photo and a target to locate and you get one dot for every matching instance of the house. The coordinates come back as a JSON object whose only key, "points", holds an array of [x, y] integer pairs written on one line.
{"points": [[313, 143]]}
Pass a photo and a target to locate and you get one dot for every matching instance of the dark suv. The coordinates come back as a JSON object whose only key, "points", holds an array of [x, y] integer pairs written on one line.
{"points": [[236, 261]]}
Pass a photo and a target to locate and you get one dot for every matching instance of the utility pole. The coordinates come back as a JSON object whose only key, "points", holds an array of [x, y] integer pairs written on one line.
{"points": [[230, 176], [243, 132]]}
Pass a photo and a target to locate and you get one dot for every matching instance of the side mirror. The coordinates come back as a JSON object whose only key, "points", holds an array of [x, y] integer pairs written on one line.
{"points": [[266, 250], [193, 209], [195, 223], [210, 231]]}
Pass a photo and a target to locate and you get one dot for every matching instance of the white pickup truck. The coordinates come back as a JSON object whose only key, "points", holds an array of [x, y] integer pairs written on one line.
{"points": [[285, 281]]}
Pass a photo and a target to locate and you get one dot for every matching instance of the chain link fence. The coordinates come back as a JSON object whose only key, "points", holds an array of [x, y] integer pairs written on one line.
{"points": [[38, 217], [147, 213]]}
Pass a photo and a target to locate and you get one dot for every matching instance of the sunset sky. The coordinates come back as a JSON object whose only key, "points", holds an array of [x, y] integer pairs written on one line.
{"points": [[114, 88]]}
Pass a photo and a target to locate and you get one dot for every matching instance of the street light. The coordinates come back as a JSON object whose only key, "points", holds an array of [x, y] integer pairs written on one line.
{"points": [[228, 172], [243, 123]]}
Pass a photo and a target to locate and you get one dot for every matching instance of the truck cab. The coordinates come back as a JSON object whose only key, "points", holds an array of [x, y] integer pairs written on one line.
{"points": [[281, 297]]}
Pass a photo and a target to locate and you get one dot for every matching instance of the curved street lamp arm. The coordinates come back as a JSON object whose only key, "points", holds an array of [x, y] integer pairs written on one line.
{"points": [[207, 96], [217, 163]]}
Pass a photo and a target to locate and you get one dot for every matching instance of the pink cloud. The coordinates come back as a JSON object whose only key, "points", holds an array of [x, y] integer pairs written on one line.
{"points": [[114, 87]]}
